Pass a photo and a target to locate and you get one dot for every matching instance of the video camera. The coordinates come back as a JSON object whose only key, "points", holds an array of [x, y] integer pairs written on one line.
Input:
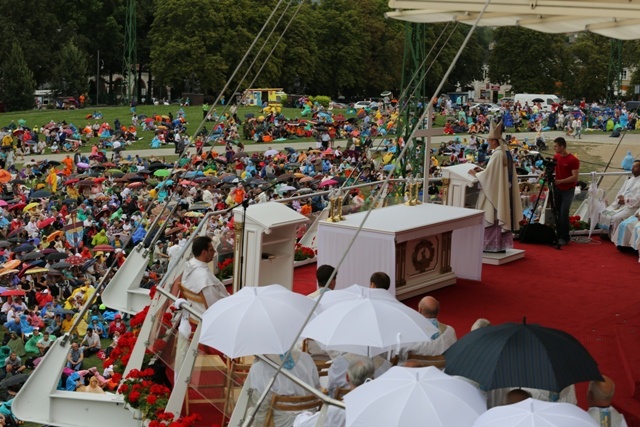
{"points": [[549, 164]]}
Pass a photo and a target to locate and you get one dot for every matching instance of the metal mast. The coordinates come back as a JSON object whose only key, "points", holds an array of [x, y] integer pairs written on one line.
{"points": [[130, 61], [614, 79], [414, 88]]}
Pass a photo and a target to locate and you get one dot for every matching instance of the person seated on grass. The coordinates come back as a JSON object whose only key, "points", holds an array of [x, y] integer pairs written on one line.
{"points": [[67, 322], [15, 361], [45, 343], [16, 344], [117, 325], [114, 343], [90, 343], [75, 357], [93, 387], [31, 346]]}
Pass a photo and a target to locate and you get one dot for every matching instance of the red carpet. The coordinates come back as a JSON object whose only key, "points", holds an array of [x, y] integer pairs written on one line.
{"points": [[588, 290]]}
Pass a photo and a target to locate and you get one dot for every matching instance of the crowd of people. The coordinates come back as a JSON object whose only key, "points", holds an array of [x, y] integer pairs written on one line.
{"points": [[572, 119], [64, 224]]}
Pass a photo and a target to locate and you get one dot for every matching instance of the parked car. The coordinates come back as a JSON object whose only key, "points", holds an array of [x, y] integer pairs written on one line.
{"points": [[490, 107], [340, 105], [362, 104]]}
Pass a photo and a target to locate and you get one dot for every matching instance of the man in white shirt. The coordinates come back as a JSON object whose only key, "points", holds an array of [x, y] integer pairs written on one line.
{"points": [[599, 397], [298, 364], [626, 203], [429, 307], [359, 371], [198, 277], [323, 274]]}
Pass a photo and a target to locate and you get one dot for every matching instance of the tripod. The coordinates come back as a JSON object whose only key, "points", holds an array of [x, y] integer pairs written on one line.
{"points": [[547, 178]]}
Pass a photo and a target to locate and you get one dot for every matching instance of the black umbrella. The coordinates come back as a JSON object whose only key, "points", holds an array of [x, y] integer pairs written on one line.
{"points": [[41, 194], [32, 255], [285, 177], [56, 256], [54, 162], [14, 380], [156, 165], [61, 265], [53, 272], [69, 201], [5, 244], [24, 248], [18, 181], [249, 115], [16, 239], [88, 264], [38, 263], [230, 178], [521, 355]]}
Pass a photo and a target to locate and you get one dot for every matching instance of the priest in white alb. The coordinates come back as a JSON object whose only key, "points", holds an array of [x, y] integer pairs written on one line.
{"points": [[500, 195], [626, 204]]}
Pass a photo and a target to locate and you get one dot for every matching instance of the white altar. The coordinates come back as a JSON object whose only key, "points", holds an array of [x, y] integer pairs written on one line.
{"points": [[421, 248]]}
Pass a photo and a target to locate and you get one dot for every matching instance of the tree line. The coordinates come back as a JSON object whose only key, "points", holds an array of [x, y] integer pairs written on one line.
{"points": [[332, 47]]}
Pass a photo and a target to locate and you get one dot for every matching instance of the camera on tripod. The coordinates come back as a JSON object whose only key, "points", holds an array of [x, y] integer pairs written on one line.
{"points": [[549, 165]]}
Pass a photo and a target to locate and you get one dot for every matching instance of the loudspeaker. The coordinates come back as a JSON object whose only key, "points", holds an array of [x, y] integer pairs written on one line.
{"points": [[537, 233]]}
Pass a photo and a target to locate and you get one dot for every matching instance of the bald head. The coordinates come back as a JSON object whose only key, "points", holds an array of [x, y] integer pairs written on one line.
{"points": [[600, 393], [516, 395], [429, 307]]}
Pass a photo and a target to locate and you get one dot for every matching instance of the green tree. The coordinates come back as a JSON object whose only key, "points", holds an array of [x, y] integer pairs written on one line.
{"points": [[70, 73], [532, 62], [38, 31], [589, 73], [186, 42], [16, 80]]}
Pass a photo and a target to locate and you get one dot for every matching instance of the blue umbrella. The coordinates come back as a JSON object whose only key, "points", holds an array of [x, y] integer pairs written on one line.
{"points": [[24, 248]]}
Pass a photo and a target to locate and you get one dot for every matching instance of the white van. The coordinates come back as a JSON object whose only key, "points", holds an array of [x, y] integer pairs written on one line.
{"points": [[545, 100]]}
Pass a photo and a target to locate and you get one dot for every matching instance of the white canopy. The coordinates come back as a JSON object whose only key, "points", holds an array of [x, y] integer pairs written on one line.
{"points": [[619, 19]]}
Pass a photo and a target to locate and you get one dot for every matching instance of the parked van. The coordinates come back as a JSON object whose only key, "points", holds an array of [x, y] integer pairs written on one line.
{"points": [[545, 100]]}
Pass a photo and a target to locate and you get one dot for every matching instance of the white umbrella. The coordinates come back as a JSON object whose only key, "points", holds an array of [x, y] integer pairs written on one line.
{"points": [[407, 397], [255, 320], [535, 413], [596, 203], [271, 152], [353, 292], [369, 322]]}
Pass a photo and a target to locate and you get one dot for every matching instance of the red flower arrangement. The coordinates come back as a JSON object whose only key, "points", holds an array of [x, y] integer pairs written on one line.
{"points": [[225, 269], [576, 223], [140, 392], [165, 419], [303, 252]]}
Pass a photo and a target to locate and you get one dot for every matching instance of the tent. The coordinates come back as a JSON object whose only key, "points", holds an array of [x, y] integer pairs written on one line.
{"points": [[616, 19]]}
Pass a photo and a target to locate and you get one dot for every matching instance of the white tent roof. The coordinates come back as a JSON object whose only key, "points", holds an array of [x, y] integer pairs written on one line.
{"points": [[618, 19]]}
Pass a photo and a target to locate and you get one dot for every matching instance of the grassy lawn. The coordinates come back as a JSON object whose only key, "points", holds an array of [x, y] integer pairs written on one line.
{"points": [[110, 114]]}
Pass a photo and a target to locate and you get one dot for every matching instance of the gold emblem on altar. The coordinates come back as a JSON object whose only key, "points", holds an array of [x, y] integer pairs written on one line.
{"points": [[336, 199], [412, 191], [423, 255]]}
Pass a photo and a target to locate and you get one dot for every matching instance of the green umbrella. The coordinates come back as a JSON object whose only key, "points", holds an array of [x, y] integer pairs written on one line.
{"points": [[114, 171], [162, 172]]}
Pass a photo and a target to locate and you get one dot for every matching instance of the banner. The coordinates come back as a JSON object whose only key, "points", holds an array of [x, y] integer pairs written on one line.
{"points": [[74, 232]]}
